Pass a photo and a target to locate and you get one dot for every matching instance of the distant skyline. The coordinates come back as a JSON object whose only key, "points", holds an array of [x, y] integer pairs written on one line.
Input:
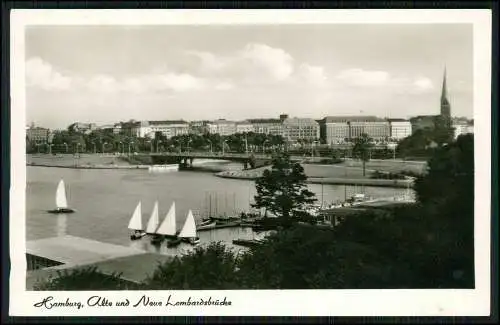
{"points": [[105, 74]]}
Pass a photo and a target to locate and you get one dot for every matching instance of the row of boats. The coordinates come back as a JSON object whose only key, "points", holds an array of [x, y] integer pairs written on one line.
{"points": [[166, 230]]}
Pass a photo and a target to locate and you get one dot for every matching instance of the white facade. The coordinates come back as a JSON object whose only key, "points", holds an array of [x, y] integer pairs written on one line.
{"points": [[462, 128], [336, 132], [167, 128], [244, 127], [400, 129], [295, 129], [222, 127]]}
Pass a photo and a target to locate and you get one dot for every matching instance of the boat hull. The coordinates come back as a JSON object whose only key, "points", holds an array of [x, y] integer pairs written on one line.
{"points": [[137, 236], [192, 241], [173, 242], [61, 210]]}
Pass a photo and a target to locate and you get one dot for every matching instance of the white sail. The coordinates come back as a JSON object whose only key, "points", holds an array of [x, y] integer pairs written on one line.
{"points": [[61, 201], [168, 226], [135, 222], [153, 220], [189, 228]]}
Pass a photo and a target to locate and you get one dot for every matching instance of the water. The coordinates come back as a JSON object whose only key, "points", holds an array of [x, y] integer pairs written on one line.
{"points": [[105, 200]]}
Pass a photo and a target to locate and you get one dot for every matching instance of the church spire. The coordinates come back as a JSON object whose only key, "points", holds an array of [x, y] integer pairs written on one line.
{"points": [[444, 92], [445, 104]]}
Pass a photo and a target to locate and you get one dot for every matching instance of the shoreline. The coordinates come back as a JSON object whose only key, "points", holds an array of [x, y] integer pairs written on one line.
{"points": [[394, 183]]}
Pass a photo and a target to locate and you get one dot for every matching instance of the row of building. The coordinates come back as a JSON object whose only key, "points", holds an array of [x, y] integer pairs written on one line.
{"points": [[329, 130]]}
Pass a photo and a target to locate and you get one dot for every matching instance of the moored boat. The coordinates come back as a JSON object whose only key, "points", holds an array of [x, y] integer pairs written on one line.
{"points": [[135, 223], [61, 200], [167, 229], [153, 223], [188, 232]]}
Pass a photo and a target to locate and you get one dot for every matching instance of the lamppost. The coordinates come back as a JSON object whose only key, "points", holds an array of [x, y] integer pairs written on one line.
{"points": [[246, 144], [223, 143], [210, 141], [120, 150], [129, 147], [264, 146], [157, 145], [95, 148]]}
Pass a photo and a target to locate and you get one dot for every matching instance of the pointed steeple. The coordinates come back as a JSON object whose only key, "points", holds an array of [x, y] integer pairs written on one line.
{"points": [[445, 103], [444, 92]]}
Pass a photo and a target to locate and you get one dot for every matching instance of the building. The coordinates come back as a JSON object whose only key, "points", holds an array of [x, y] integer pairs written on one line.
{"points": [[244, 127], [167, 128], [198, 127], [399, 129], [221, 127], [82, 127], [296, 129], [334, 129], [36, 134], [267, 126], [462, 126], [376, 128], [141, 129]]}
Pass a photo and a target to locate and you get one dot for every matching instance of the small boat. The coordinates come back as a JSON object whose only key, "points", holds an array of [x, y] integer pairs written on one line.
{"points": [[153, 222], [167, 229], [135, 223], [188, 231], [61, 201], [204, 226]]}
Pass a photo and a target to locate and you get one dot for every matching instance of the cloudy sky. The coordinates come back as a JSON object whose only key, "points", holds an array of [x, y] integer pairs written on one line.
{"points": [[106, 74]]}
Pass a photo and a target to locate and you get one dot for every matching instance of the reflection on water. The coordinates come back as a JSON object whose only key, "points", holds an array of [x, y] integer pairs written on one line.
{"points": [[104, 201], [62, 224]]}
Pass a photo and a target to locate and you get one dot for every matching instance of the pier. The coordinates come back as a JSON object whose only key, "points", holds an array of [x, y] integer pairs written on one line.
{"points": [[46, 257]]}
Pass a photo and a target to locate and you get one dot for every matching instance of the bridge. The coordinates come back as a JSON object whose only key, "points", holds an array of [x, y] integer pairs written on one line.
{"points": [[186, 158]]}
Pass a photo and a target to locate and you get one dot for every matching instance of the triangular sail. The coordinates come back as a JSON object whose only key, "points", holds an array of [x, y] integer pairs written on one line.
{"points": [[135, 222], [189, 228], [61, 201], [168, 226], [153, 220]]}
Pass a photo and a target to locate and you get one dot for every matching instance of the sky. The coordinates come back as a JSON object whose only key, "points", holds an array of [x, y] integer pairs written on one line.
{"points": [[106, 74]]}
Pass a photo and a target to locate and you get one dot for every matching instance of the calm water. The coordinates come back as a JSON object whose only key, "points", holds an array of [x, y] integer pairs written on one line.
{"points": [[105, 199]]}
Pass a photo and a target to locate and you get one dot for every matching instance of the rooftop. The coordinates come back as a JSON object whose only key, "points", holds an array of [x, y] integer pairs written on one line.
{"points": [[170, 122], [351, 118]]}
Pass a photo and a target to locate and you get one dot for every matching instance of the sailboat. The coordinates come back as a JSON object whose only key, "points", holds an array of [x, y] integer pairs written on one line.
{"points": [[61, 201], [135, 223], [153, 221], [167, 228], [188, 232]]}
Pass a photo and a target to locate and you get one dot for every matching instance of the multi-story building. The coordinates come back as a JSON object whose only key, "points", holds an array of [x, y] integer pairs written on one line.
{"points": [[296, 129], [82, 127], [399, 129], [462, 126], [168, 128], [222, 127], [117, 128], [335, 129], [267, 126], [376, 128], [198, 127], [36, 134], [244, 127]]}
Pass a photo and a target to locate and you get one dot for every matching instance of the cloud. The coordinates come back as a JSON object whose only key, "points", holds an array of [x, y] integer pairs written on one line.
{"points": [[312, 75], [363, 78], [423, 83], [41, 74], [277, 62]]}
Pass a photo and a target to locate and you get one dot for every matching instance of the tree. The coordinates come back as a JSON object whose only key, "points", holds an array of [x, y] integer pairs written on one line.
{"points": [[362, 146], [210, 268], [282, 189]]}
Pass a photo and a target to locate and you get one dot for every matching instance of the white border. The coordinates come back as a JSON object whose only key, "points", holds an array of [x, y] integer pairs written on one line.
{"points": [[265, 302]]}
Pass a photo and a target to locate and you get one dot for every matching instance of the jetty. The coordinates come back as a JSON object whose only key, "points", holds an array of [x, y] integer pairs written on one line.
{"points": [[46, 257]]}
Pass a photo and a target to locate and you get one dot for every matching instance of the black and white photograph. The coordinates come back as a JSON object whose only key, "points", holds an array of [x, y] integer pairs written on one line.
{"points": [[205, 163]]}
